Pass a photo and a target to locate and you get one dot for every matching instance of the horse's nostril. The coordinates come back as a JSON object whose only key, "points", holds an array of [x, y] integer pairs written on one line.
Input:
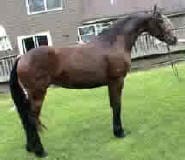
{"points": [[175, 40], [172, 40]]}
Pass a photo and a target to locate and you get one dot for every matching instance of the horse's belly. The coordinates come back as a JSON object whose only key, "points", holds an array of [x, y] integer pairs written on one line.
{"points": [[81, 79], [81, 85]]}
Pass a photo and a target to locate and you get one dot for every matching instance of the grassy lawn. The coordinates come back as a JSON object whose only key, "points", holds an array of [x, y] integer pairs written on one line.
{"points": [[80, 124]]}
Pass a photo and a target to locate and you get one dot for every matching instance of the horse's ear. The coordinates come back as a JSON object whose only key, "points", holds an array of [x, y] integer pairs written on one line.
{"points": [[155, 9]]}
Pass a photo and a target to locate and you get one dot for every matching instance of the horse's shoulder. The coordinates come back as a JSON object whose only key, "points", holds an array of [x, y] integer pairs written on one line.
{"points": [[118, 64]]}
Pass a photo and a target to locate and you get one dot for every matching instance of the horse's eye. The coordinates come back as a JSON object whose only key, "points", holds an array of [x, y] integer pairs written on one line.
{"points": [[160, 20]]}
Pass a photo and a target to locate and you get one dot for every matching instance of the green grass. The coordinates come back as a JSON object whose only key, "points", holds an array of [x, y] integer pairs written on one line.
{"points": [[80, 124]]}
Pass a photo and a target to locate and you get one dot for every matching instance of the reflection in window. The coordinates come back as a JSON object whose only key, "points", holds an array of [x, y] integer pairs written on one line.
{"points": [[37, 6], [51, 4]]}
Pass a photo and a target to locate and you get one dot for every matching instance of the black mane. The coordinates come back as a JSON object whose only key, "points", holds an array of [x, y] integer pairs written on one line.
{"points": [[118, 27]]}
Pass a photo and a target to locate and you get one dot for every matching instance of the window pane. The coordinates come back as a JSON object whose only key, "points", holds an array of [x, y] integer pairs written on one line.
{"points": [[87, 38], [87, 30], [42, 40], [52, 4], [4, 44], [36, 5], [28, 43], [101, 26]]}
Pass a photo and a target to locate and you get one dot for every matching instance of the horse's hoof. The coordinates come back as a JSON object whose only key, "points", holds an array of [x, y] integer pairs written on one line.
{"points": [[119, 134], [41, 154], [29, 148]]}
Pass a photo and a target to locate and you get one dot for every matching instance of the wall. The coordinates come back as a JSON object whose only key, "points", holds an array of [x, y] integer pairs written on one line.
{"points": [[61, 24], [104, 8]]}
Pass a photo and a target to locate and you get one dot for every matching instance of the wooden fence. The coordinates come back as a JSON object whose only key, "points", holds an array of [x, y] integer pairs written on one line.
{"points": [[145, 46]]}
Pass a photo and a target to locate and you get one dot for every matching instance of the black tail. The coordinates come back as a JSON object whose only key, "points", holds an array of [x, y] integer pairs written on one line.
{"points": [[22, 103]]}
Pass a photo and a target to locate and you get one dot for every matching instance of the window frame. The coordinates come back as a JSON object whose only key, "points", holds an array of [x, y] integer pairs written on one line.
{"points": [[20, 39], [95, 28], [45, 8]]}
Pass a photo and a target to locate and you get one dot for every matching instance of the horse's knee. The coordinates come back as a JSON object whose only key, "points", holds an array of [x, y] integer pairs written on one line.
{"points": [[37, 97], [38, 105]]}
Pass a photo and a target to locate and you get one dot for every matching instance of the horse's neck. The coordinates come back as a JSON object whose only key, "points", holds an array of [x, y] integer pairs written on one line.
{"points": [[132, 30], [123, 38]]}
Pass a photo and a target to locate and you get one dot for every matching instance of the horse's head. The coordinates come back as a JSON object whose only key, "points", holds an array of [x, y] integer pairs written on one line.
{"points": [[161, 27]]}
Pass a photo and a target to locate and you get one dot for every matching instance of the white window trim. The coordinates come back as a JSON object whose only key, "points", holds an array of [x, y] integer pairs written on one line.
{"points": [[44, 11], [20, 38]]}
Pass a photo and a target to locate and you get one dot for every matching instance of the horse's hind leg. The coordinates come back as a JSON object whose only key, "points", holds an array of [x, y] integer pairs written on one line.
{"points": [[115, 90], [37, 98], [33, 141], [34, 144]]}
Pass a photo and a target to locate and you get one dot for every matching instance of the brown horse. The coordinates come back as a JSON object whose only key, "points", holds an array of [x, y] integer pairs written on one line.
{"points": [[104, 61]]}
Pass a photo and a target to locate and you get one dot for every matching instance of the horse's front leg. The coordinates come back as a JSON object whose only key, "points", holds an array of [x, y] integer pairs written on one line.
{"points": [[115, 91]]}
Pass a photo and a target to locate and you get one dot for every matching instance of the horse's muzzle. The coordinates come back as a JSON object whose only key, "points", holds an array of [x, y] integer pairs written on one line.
{"points": [[172, 40]]}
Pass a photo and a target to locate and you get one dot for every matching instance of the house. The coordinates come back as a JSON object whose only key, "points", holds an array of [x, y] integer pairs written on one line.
{"points": [[30, 23]]}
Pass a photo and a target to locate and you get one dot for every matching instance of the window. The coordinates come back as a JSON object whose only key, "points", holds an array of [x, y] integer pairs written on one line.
{"points": [[39, 6], [28, 42], [4, 40], [86, 32]]}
